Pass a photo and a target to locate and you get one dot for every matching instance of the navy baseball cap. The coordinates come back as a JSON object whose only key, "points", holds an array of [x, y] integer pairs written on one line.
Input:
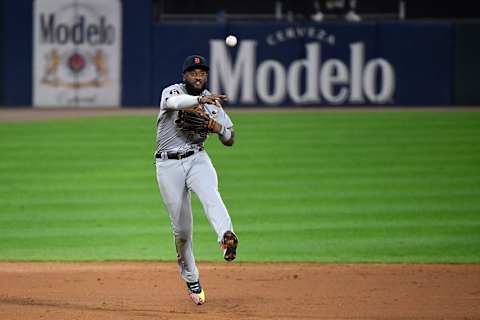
{"points": [[195, 62]]}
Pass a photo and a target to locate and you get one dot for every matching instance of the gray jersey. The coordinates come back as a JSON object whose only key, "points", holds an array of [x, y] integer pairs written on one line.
{"points": [[169, 136]]}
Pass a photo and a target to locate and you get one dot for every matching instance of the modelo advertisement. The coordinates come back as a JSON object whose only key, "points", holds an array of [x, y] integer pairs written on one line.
{"points": [[318, 64], [77, 53]]}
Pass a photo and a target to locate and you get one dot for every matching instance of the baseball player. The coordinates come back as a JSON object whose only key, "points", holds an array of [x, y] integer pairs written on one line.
{"points": [[188, 114]]}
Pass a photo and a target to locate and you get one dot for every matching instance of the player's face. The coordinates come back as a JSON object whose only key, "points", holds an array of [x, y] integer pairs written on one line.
{"points": [[196, 78]]}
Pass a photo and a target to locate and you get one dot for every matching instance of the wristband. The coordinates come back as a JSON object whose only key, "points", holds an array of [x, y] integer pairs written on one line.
{"points": [[225, 134]]}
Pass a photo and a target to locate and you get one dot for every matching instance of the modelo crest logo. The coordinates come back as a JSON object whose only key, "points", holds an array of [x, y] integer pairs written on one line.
{"points": [[307, 80], [77, 52]]}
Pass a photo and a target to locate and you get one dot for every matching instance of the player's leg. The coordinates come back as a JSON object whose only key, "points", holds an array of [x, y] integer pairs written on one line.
{"points": [[176, 197], [202, 179], [185, 258], [182, 230]]}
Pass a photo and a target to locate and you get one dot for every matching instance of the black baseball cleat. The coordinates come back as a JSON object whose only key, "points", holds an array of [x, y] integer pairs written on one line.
{"points": [[229, 245], [196, 293]]}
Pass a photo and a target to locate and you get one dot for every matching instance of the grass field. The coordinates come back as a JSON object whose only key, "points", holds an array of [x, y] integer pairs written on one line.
{"points": [[307, 186]]}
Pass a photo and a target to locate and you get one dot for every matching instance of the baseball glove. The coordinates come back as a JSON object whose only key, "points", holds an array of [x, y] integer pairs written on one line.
{"points": [[197, 120]]}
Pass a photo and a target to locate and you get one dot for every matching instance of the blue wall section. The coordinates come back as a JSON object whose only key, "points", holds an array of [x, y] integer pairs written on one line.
{"points": [[467, 66], [136, 53], [16, 52], [1, 51], [418, 54], [172, 43], [197, 37], [422, 54]]}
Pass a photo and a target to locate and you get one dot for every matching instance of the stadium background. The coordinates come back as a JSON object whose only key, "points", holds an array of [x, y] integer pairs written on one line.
{"points": [[395, 183], [154, 42]]}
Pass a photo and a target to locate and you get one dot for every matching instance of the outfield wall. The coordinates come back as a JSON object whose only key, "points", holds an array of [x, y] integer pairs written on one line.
{"points": [[1, 51], [16, 53], [398, 63], [466, 86], [316, 64]]}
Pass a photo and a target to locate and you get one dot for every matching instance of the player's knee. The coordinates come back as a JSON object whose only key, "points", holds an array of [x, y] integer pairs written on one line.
{"points": [[181, 235], [180, 242]]}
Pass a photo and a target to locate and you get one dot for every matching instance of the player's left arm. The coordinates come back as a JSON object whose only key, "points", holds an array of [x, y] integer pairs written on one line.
{"points": [[226, 134]]}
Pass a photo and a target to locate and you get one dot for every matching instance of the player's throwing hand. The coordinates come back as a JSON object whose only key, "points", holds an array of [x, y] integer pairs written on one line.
{"points": [[212, 98]]}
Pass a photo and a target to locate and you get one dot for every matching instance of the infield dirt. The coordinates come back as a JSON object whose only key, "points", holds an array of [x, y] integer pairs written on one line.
{"points": [[149, 290]]}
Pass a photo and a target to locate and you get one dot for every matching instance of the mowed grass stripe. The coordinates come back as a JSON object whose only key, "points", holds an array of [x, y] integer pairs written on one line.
{"points": [[308, 190], [354, 185], [334, 240], [373, 186], [86, 228], [356, 206], [457, 169], [328, 214], [42, 195]]}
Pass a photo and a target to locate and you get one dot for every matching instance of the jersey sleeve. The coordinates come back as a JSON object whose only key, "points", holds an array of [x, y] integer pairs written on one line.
{"points": [[167, 93]]}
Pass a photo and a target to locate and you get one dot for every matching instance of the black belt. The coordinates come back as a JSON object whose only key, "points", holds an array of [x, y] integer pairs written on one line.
{"points": [[178, 155]]}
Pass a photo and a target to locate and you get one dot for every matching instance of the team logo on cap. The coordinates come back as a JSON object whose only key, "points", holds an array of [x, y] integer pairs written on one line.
{"points": [[196, 60]]}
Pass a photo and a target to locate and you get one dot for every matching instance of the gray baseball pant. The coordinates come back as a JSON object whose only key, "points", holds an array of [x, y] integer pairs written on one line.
{"points": [[176, 178]]}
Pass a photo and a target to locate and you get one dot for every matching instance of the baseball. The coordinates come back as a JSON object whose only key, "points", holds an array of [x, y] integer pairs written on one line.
{"points": [[231, 41]]}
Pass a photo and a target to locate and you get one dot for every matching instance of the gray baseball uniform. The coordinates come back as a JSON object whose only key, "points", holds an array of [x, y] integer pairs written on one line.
{"points": [[195, 172]]}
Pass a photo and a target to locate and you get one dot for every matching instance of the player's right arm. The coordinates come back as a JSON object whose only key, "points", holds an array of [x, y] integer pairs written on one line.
{"points": [[185, 101], [173, 99]]}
